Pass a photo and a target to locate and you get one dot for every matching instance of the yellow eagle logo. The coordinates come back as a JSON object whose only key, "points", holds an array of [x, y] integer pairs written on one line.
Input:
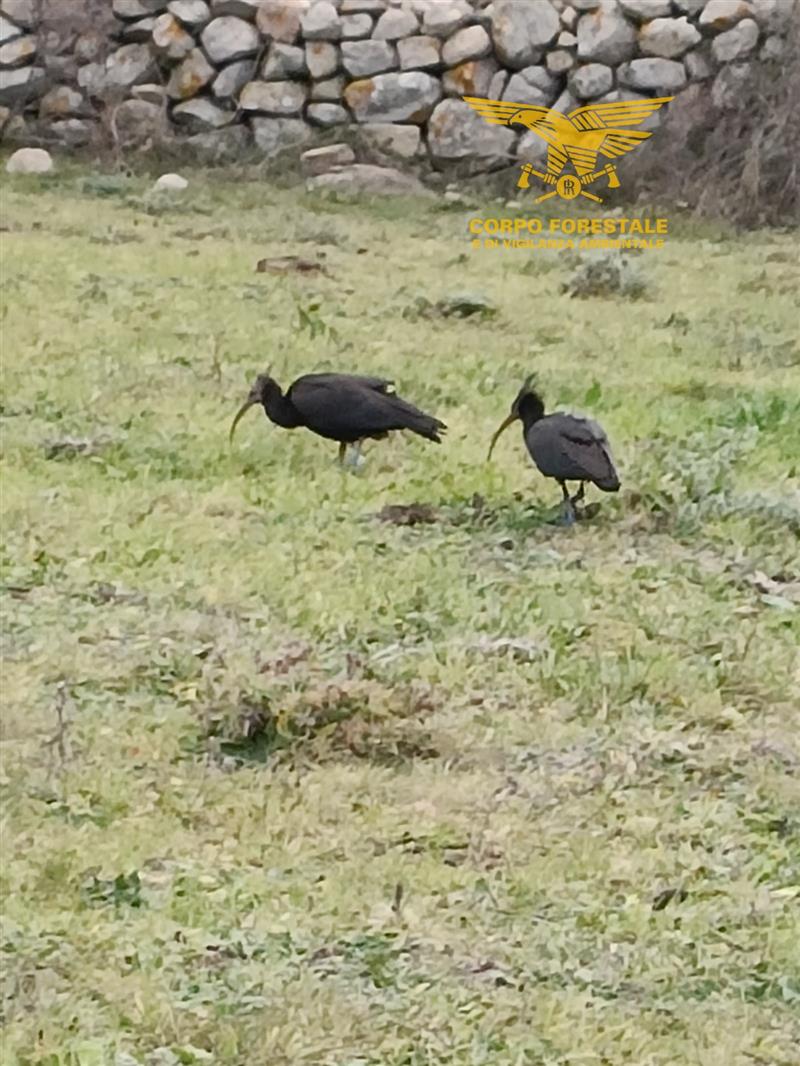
{"points": [[577, 138]]}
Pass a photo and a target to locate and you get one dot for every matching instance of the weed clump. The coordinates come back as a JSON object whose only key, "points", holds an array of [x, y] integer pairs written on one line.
{"points": [[605, 276]]}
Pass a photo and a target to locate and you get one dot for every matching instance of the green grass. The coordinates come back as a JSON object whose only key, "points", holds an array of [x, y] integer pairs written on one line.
{"points": [[286, 784]]}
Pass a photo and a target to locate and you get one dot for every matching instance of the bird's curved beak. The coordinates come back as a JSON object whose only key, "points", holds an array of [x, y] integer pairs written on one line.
{"points": [[503, 425], [249, 402]]}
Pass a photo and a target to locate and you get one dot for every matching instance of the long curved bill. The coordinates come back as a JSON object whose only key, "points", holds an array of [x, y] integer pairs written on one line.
{"points": [[239, 414], [503, 425]]}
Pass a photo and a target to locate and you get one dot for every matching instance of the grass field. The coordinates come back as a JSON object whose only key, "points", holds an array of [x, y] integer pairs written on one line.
{"points": [[289, 783]]}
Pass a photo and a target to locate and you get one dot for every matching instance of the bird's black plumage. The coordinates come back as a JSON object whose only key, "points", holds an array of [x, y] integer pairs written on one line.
{"points": [[347, 408], [563, 446]]}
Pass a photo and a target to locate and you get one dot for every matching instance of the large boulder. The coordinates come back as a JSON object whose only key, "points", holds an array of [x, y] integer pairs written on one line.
{"points": [[228, 38], [362, 59], [407, 97], [274, 136], [719, 15], [653, 75], [170, 39], [395, 24], [668, 38], [190, 76], [279, 98], [606, 36], [736, 43], [456, 134], [472, 42], [521, 32], [533, 85], [29, 161], [191, 13], [200, 114], [419, 53], [279, 20], [473, 78], [591, 81], [21, 85], [364, 179]]}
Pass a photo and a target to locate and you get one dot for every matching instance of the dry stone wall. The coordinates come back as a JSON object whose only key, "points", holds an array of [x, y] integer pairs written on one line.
{"points": [[228, 75]]}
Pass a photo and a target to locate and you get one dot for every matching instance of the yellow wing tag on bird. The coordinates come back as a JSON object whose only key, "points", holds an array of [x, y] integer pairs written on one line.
{"points": [[574, 141]]}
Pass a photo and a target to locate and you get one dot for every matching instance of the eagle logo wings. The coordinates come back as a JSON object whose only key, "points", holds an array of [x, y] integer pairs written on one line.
{"points": [[576, 139]]}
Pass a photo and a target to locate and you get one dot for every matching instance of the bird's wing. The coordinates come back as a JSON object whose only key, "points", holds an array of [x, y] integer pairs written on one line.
{"points": [[616, 115], [500, 112], [615, 118], [585, 444], [346, 406], [384, 385]]}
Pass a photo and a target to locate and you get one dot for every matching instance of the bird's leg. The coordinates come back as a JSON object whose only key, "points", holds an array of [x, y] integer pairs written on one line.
{"points": [[567, 508], [342, 450], [355, 460], [578, 497]]}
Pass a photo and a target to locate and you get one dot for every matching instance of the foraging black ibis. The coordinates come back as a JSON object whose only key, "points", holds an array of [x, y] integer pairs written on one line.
{"points": [[347, 408], [565, 447]]}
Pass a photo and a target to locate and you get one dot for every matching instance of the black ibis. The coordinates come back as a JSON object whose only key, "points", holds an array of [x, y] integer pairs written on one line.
{"points": [[347, 408], [565, 447]]}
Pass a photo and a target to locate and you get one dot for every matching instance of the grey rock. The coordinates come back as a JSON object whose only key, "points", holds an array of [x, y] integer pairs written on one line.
{"points": [[689, 7], [326, 115], [244, 9], [279, 98], [363, 58], [29, 161], [497, 86], [17, 52], [322, 59], [89, 46], [472, 78], [419, 53], [668, 38], [232, 78], [73, 132], [726, 92], [774, 49], [531, 148], [407, 97], [587, 5], [227, 38], [644, 10], [284, 61], [150, 92], [356, 27], [569, 17], [218, 146], [736, 43], [364, 179], [190, 76], [774, 16], [138, 121], [192, 13], [130, 65], [658, 75], [92, 78], [560, 61], [389, 139], [606, 36], [533, 85], [456, 134], [170, 39], [566, 40], [329, 90], [171, 183], [521, 32], [698, 65], [591, 81], [321, 160], [472, 42], [372, 7], [321, 22], [200, 114], [63, 102], [719, 15], [566, 102], [394, 24], [443, 19], [274, 136], [137, 32], [137, 9], [279, 20], [23, 12]]}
